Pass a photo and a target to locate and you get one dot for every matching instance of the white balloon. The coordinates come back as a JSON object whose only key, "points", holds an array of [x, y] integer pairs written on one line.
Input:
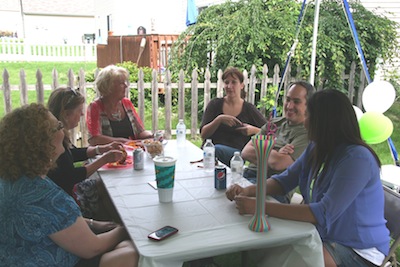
{"points": [[378, 96], [358, 112]]}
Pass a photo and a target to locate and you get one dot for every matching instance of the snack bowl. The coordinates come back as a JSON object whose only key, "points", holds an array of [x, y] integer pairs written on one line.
{"points": [[153, 148], [133, 144]]}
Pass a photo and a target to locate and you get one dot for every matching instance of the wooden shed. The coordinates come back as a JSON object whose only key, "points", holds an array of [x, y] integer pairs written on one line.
{"points": [[149, 50]]}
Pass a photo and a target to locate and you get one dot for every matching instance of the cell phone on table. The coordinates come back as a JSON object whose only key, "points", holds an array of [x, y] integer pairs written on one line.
{"points": [[163, 233]]}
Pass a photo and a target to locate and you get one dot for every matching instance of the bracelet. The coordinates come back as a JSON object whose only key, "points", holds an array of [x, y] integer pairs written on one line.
{"points": [[97, 150]]}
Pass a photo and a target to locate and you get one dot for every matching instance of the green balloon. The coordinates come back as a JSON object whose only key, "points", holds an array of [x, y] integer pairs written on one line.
{"points": [[375, 127]]}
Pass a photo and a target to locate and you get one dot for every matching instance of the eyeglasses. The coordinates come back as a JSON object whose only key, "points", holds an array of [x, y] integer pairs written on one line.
{"points": [[59, 127]]}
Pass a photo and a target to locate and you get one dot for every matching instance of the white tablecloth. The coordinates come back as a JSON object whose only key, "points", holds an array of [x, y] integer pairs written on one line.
{"points": [[208, 222]]}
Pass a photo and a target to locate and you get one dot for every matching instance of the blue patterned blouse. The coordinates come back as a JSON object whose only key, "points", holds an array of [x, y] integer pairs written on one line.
{"points": [[31, 210]]}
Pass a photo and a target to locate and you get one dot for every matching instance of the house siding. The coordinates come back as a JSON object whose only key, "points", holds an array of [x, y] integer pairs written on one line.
{"points": [[56, 21], [388, 8], [58, 29], [391, 10], [10, 16], [160, 17], [61, 7]]}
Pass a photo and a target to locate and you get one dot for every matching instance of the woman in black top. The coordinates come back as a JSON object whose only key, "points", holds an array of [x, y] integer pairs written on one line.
{"points": [[66, 104], [230, 121]]}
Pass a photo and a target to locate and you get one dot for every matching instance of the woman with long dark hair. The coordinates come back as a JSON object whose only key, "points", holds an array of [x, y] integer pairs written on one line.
{"points": [[339, 179]]}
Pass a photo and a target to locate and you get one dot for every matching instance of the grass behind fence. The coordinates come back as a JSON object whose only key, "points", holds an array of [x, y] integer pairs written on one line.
{"points": [[15, 99], [46, 68]]}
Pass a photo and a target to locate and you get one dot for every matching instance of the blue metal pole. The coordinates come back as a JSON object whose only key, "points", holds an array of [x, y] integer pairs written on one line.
{"points": [[357, 42]]}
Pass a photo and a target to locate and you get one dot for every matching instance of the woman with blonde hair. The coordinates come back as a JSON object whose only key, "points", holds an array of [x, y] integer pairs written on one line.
{"points": [[112, 116], [41, 225]]}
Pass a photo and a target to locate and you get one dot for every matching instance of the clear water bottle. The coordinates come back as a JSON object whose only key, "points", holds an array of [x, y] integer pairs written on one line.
{"points": [[209, 156], [236, 167], [181, 133]]}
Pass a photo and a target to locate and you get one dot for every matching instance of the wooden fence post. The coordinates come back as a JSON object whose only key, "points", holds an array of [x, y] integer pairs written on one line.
{"points": [[7, 91], [275, 77], [252, 85], [140, 88], [246, 83], [71, 78], [96, 73], [154, 101], [195, 103], [70, 84], [181, 95], [264, 87], [168, 104], [207, 83], [23, 87], [220, 84], [39, 87], [55, 83], [82, 124]]}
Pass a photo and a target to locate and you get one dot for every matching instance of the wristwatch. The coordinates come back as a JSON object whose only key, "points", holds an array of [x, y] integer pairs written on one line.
{"points": [[97, 150]]}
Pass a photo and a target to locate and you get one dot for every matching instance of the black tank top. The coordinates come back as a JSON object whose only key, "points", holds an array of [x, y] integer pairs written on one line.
{"points": [[122, 128]]}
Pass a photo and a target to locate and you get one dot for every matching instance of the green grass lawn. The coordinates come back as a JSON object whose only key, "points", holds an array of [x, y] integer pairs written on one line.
{"points": [[46, 68]]}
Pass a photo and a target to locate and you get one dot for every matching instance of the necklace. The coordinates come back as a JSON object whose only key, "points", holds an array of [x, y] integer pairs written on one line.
{"points": [[116, 115]]}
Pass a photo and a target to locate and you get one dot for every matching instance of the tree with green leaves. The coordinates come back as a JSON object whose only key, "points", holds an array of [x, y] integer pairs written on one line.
{"points": [[247, 32]]}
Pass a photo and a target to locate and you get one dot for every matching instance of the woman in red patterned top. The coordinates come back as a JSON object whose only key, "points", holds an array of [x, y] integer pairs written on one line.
{"points": [[112, 116]]}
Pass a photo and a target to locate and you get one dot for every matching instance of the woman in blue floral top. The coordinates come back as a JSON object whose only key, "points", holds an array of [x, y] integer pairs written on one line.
{"points": [[41, 225]]}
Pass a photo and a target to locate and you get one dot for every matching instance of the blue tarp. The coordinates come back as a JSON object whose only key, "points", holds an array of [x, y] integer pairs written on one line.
{"points": [[191, 13]]}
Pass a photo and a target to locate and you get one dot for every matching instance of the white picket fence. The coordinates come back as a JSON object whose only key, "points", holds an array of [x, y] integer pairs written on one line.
{"points": [[198, 94], [17, 49]]}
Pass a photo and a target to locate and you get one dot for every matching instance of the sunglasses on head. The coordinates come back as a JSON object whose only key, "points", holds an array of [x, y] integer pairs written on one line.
{"points": [[74, 94], [73, 91]]}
